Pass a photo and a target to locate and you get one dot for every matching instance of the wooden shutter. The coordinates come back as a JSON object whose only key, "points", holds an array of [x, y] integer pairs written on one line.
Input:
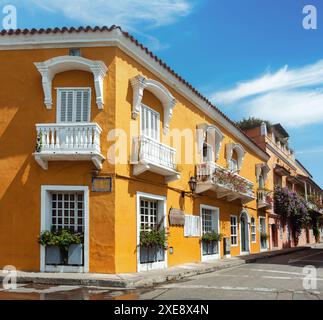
{"points": [[192, 226], [74, 105], [150, 123]]}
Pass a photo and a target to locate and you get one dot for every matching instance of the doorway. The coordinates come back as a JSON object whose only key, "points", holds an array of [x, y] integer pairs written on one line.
{"points": [[244, 233]]}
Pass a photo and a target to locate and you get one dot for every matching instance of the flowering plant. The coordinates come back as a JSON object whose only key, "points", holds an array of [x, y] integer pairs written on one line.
{"points": [[232, 181], [291, 207]]}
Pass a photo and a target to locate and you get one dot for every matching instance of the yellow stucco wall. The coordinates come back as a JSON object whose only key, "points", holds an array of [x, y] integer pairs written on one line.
{"points": [[185, 116], [112, 225], [21, 107]]}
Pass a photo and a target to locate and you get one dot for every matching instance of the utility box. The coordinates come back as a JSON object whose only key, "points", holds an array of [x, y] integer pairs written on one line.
{"points": [[227, 247]]}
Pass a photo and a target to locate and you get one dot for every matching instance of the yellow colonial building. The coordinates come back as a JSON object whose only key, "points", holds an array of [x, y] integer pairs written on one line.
{"points": [[99, 136]]}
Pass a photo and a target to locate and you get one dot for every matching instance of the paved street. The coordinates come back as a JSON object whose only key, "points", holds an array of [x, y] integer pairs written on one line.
{"points": [[275, 278]]}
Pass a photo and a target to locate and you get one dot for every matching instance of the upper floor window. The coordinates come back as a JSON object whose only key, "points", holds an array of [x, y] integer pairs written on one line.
{"points": [[209, 139], [207, 153], [235, 156], [73, 104], [233, 164], [262, 171], [150, 123]]}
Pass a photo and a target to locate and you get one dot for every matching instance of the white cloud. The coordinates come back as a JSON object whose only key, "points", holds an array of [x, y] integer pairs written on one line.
{"points": [[311, 151], [291, 108], [127, 13], [293, 97]]}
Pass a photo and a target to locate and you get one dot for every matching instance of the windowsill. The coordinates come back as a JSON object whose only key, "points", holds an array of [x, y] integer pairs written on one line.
{"points": [[64, 269]]}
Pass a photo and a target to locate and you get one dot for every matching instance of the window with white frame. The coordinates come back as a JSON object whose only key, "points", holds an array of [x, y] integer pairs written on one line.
{"points": [[234, 230], [148, 215], [67, 211], [207, 153], [150, 123], [208, 221], [253, 230], [73, 105]]}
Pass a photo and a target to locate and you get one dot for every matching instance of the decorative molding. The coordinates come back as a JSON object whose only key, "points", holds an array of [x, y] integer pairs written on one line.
{"points": [[116, 38], [215, 140], [230, 147], [139, 84], [48, 69], [262, 169]]}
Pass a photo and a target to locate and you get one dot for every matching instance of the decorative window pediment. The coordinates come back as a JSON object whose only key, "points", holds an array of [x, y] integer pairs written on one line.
{"points": [[235, 147], [139, 84], [48, 69], [210, 135], [262, 170]]}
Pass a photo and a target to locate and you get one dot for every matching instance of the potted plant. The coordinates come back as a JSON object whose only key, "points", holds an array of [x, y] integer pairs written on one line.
{"points": [[153, 243], [264, 236], [62, 247], [210, 242]]}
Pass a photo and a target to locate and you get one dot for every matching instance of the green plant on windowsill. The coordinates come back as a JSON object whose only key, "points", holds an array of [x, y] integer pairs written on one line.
{"points": [[264, 236], [152, 238], [62, 238], [39, 144], [212, 236]]}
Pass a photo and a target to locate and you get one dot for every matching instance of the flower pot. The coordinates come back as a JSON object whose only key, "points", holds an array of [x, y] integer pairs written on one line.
{"points": [[75, 255], [151, 254], [53, 255]]}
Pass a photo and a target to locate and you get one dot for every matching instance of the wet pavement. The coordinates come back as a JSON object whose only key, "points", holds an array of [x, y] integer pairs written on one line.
{"points": [[276, 278]]}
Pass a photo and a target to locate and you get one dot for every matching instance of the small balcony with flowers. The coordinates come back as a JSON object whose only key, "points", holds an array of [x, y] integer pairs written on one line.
{"points": [[226, 184]]}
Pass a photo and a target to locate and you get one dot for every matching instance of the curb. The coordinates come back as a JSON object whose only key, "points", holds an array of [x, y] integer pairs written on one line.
{"points": [[144, 281], [141, 282]]}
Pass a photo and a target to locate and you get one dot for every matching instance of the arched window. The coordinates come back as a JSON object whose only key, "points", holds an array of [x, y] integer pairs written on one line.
{"points": [[48, 69], [209, 142], [235, 155], [139, 84]]}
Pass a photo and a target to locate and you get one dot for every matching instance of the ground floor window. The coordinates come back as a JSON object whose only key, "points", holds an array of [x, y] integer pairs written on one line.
{"points": [[151, 217], [234, 230], [149, 221], [210, 224], [65, 208], [67, 211], [253, 230], [263, 232]]}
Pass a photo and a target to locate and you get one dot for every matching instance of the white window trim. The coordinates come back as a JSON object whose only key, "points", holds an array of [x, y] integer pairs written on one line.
{"points": [[45, 225], [267, 245], [157, 265], [255, 226], [248, 233], [58, 102], [158, 124], [48, 69], [214, 256], [237, 228]]}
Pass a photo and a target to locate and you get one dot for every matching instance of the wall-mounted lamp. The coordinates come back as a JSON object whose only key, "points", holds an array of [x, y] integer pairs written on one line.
{"points": [[192, 183]]}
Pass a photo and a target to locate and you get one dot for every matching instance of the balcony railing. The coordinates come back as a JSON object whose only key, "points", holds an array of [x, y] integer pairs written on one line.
{"points": [[225, 183], [68, 141], [263, 199], [151, 155]]}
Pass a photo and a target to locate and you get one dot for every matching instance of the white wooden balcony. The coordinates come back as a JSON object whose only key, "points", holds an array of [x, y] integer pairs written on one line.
{"points": [[263, 200], [151, 155], [211, 177], [68, 142]]}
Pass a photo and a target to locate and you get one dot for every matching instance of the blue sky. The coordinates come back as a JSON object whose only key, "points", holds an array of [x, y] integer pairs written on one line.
{"points": [[249, 57]]}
